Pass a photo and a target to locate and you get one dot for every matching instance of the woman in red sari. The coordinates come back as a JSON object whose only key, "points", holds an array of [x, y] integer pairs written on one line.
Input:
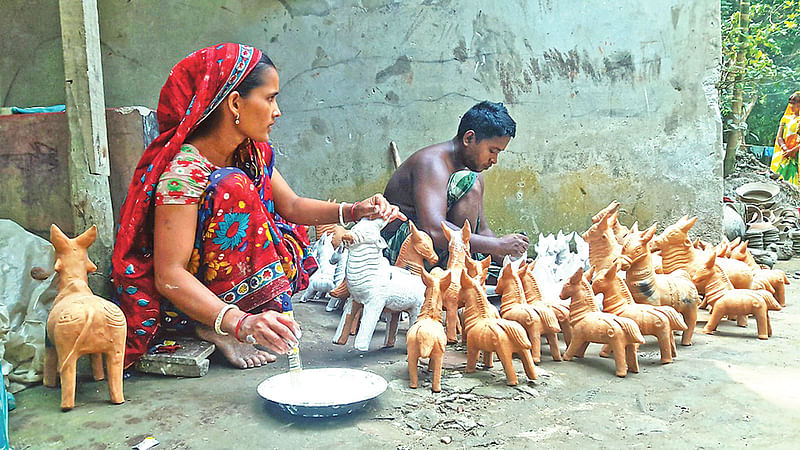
{"points": [[206, 240]]}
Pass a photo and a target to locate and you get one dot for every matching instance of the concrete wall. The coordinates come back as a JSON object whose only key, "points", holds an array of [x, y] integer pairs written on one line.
{"points": [[613, 99]]}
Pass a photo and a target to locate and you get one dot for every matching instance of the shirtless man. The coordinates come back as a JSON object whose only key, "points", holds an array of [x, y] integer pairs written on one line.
{"points": [[443, 182]]}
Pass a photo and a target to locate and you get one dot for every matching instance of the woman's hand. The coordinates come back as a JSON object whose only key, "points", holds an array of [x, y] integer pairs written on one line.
{"points": [[377, 207], [271, 329]]}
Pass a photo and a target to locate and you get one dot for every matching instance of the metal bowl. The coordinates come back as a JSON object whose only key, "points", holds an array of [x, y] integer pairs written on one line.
{"points": [[322, 392]]}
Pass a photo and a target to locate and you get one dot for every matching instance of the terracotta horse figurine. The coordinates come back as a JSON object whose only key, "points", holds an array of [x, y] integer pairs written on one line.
{"points": [[677, 252], [538, 320], [603, 246], [725, 300], [534, 297], [488, 334], [417, 248], [764, 278], [658, 321], [647, 287], [81, 323], [591, 325], [426, 338], [458, 249]]}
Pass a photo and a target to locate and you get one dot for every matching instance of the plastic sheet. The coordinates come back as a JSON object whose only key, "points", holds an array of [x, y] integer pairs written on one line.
{"points": [[24, 304]]}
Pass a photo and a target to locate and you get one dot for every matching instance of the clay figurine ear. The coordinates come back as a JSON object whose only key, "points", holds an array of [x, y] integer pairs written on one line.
{"points": [[445, 280], [590, 273], [649, 233], [712, 259], [736, 242], [412, 227], [486, 262], [427, 279], [87, 238], [57, 237], [448, 233], [689, 224], [465, 279], [465, 231], [635, 227], [576, 277], [506, 261]]}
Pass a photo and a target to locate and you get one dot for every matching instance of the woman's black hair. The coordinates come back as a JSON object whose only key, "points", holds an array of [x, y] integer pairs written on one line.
{"points": [[253, 79], [794, 97]]}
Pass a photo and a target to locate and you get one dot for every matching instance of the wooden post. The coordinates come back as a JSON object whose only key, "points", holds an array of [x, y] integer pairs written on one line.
{"points": [[88, 165]]}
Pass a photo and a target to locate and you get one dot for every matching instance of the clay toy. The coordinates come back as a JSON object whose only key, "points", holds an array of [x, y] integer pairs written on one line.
{"points": [[677, 252], [647, 287], [81, 323], [426, 337], [321, 282], [774, 280], [488, 334], [458, 248], [537, 320], [534, 297], [725, 300], [591, 325], [612, 211], [658, 321], [374, 283], [603, 246]]}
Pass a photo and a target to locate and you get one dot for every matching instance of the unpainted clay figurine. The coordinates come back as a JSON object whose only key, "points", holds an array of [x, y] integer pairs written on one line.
{"points": [[458, 248], [339, 260], [374, 283], [488, 334], [773, 280], [603, 246], [426, 337], [515, 307], [658, 321], [677, 252], [725, 300], [534, 297], [591, 325], [478, 270], [81, 323], [647, 287]]}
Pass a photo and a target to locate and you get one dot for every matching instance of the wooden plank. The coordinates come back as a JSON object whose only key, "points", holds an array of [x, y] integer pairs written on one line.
{"points": [[88, 165]]}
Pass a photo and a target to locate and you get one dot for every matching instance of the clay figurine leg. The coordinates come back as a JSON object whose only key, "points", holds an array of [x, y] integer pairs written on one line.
{"points": [[413, 360], [672, 346], [358, 309], [713, 321], [761, 321], [605, 352], [472, 359], [664, 344], [435, 366], [527, 363], [690, 317], [488, 360], [114, 363], [451, 327], [769, 326], [742, 320], [391, 329], [50, 375], [618, 348], [68, 383], [631, 358], [575, 346], [508, 366], [566, 330], [97, 366], [552, 339], [369, 320]]}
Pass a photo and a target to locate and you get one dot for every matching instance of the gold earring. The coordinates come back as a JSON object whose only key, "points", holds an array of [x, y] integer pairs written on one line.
{"points": [[236, 119]]}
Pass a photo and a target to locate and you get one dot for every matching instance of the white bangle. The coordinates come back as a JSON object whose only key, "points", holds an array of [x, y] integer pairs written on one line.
{"points": [[220, 315], [341, 217]]}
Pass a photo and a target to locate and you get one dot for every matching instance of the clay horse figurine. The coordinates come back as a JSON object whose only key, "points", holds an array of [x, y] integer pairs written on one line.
{"points": [[81, 323], [426, 337]]}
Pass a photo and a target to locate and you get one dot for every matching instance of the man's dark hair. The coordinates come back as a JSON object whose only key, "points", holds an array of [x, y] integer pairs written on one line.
{"points": [[487, 120], [253, 79]]}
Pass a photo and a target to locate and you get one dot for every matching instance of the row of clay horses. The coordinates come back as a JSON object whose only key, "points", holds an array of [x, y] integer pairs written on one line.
{"points": [[659, 294]]}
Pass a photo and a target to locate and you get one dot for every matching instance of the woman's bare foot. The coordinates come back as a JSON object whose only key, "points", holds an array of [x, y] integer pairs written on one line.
{"points": [[241, 355]]}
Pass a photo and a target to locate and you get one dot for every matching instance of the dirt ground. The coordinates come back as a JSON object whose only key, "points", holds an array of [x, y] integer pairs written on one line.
{"points": [[728, 390]]}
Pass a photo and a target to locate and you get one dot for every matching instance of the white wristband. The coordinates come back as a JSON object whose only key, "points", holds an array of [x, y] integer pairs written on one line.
{"points": [[341, 217], [220, 315]]}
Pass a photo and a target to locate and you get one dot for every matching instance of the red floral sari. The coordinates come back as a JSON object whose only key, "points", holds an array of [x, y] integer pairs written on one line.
{"points": [[238, 203]]}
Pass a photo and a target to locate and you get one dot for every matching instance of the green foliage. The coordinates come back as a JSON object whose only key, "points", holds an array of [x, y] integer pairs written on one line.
{"points": [[771, 69]]}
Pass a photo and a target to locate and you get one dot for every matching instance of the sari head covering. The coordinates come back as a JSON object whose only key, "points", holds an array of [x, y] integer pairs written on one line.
{"points": [[787, 168], [194, 88]]}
